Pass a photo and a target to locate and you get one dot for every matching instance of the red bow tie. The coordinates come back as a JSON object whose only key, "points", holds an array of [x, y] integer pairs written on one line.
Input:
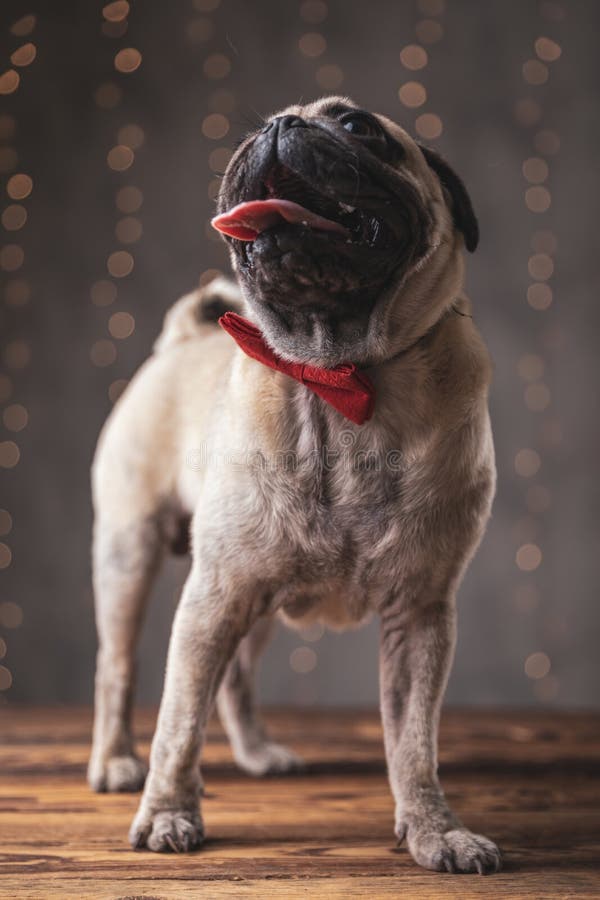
{"points": [[345, 388]]}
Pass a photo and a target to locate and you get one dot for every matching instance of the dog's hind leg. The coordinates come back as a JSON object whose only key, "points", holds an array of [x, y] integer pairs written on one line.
{"points": [[253, 750], [124, 564]]}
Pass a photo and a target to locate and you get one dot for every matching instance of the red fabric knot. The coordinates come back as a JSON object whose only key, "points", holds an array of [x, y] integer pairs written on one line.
{"points": [[344, 387]]}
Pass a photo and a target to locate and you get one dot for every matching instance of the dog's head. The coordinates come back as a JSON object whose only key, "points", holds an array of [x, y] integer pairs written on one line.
{"points": [[344, 233]]}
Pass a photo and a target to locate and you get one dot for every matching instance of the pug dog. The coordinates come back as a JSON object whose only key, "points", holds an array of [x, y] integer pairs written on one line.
{"points": [[331, 448]]}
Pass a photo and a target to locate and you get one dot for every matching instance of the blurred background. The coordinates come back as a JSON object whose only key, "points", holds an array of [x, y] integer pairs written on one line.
{"points": [[115, 122]]}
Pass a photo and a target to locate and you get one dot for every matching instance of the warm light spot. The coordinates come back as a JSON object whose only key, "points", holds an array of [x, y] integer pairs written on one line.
{"points": [[129, 199], [537, 397], [530, 367], [527, 463], [14, 217], [222, 101], [128, 60], [121, 325], [9, 454], [103, 293], [312, 44], [15, 417], [116, 389], [24, 55], [218, 159], [205, 5], [429, 126], [538, 199], [412, 94], [428, 31], [537, 665], [6, 522], [6, 388], [303, 660], [538, 499], [116, 12], [12, 257], [8, 127], [120, 158], [3, 648], [108, 95], [313, 11], [5, 678], [413, 57], [24, 26], [535, 170], [5, 555], [535, 72], [9, 81], [209, 275], [216, 66], [198, 31], [19, 186], [540, 266], [547, 49], [103, 353], [431, 7], [131, 136], [529, 557], [17, 355], [527, 597], [11, 614], [547, 141], [527, 112], [539, 296], [544, 242], [215, 126], [120, 263], [128, 230], [329, 77]]}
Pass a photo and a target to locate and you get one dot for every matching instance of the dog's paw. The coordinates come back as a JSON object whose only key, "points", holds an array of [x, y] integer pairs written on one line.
{"points": [[119, 773], [270, 759], [178, 831], [457, 850]]}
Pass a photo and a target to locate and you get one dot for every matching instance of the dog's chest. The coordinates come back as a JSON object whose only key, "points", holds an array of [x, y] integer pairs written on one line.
{"points": [[334, 506]]}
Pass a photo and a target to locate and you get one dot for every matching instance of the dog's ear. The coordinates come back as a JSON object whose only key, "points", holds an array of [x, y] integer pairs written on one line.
{"points": [[462, 208]]}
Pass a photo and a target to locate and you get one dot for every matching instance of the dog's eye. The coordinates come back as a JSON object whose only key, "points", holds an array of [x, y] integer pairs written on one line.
{"points": [[361, 125]]}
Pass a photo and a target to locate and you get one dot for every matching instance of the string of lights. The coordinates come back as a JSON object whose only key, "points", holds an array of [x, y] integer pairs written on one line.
{"points": [[16, 354], [129, 198], [414, 58], [532, 367]]}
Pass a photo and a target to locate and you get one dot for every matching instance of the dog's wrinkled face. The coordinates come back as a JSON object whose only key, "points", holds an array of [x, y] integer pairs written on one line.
{"points": [[328, 208]]}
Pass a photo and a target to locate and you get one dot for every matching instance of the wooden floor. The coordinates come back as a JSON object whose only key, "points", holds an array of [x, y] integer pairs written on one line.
{"points": [[530, 782]]}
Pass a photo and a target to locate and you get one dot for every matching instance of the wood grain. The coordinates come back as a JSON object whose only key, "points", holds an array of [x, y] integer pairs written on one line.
{"points": [[529, 781]]}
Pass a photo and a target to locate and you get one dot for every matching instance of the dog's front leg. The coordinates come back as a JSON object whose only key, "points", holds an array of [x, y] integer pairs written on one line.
{"points": [[415, 656], [209, 623]]}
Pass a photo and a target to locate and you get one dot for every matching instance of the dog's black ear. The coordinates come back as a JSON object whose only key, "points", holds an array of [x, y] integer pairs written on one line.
{"points": [[462, 208]]}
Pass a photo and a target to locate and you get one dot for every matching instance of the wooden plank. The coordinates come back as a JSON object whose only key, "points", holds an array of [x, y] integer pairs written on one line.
{"points": [[529, 781]]}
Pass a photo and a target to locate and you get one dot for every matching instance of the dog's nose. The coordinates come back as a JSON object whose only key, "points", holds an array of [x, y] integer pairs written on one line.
{"points": [[285, 122]]}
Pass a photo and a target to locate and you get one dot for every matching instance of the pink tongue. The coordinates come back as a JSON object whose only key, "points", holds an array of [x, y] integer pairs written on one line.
{"points": [[247, 220]]}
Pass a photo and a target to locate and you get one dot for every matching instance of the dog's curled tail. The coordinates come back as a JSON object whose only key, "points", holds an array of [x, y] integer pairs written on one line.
{"points": [[204, 306]]}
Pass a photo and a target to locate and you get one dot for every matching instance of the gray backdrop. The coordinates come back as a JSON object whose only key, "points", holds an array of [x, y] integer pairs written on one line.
{"points": [[528, 628]]}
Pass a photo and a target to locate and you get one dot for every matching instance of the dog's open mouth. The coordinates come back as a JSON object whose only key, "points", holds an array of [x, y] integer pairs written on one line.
{"points": [[288, 199]]}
